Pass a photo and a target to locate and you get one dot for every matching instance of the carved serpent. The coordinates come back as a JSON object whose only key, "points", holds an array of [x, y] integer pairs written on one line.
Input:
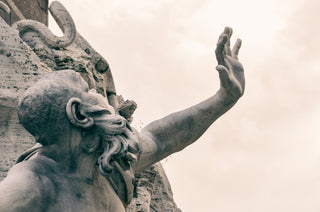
{"points": [[64, 21]]}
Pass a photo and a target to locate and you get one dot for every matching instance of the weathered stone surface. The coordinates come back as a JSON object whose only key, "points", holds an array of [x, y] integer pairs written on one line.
{"points": [[19, 68], [152, 192], [5, 12], [35, 10], [71, 57]]}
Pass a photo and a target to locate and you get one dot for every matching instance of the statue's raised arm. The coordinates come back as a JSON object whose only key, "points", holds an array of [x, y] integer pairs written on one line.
{"points": [[178, 130]]}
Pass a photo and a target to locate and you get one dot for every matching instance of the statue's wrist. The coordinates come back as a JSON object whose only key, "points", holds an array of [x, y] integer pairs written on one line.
{"points": [[226, 97]]}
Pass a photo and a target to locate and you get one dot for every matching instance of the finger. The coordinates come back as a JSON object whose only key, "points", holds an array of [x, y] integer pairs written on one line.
{"points": [[228, 31], [223, 74], [236, 48], [225, 32], [220, 49]]}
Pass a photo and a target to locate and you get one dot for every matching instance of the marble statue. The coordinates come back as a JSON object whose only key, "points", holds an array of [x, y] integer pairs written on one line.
{"points": [[88, 153]]}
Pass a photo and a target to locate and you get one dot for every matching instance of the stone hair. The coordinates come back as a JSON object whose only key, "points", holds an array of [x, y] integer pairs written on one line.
{"points": [[41, 110]]}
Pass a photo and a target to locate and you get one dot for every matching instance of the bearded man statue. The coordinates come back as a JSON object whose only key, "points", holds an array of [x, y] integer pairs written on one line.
{"points": [[89, 153]]}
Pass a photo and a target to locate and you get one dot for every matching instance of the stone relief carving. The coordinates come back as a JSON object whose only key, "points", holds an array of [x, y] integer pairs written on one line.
{"points": [[87, 153]]}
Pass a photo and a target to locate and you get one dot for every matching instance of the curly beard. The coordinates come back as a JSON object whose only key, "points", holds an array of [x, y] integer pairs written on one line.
{"points": [[119, 144]]}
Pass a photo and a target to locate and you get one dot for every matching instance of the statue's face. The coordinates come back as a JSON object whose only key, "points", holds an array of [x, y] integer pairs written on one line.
{"points": [[118, 140]]}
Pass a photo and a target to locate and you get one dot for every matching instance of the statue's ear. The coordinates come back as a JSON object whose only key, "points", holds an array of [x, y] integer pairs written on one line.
{"points": [[76, 116]]}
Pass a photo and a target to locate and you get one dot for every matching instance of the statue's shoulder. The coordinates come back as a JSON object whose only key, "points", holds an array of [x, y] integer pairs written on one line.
{"points": [[33, 172], [33, 175], [26, 186], [39, 165]]}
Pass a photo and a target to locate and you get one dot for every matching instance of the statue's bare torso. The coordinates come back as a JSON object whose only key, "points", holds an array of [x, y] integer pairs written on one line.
{"points": [[51, 190]]}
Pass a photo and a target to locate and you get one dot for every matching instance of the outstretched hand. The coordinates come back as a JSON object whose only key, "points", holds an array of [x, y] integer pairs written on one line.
{"points": [[230, 70], [174, 132]]}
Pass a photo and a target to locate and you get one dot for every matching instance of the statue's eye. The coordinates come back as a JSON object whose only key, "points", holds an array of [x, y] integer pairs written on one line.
{"points": [[107, 112], [102, 112]]}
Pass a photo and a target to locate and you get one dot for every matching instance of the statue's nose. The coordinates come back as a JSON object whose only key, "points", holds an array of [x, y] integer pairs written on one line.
{"points": [[119, 120]]}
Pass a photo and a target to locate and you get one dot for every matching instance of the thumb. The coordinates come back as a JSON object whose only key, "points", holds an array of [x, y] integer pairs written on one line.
{"points": [[223, 74], [223, 71]]}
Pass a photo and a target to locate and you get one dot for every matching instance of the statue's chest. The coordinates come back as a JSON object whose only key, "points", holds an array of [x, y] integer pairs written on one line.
{"points": [[78, 195]]}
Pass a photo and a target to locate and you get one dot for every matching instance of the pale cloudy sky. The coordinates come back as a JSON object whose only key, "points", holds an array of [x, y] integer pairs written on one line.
{"points": [[264, 154]]}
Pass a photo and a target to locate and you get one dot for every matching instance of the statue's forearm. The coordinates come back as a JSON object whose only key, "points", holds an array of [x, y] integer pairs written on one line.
{"points": [[178, 130]]}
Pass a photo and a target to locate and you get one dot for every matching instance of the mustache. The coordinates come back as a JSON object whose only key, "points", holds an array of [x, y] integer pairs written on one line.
{"points": [[112, 124]]}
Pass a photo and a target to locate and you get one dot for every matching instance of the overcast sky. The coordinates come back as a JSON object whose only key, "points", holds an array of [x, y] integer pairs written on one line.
{"points": [[264, 154]]}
